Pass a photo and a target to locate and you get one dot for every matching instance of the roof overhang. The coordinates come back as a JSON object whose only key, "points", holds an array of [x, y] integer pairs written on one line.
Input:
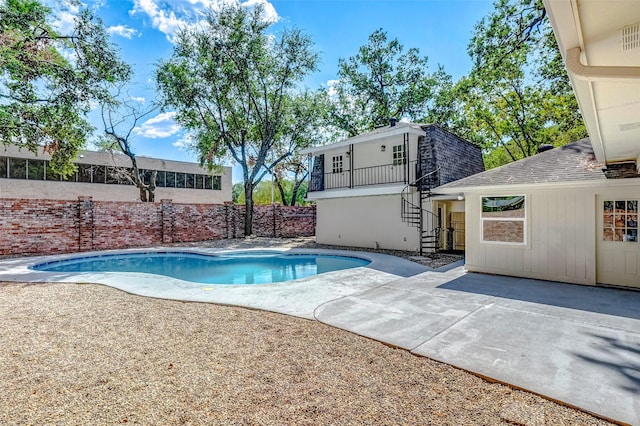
{"points": [[367, 137], [600, 43]]}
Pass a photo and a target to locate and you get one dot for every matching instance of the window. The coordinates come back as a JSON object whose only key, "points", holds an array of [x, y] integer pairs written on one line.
{"points": [[217, 183], [35, 169], [3, 167], [398, 155], [84, 173], [17, 168], [620, 220], [503, 219], [337, 164]]}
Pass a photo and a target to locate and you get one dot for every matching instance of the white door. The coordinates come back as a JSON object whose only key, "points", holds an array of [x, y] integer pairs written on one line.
{"points": [[617, 240]]}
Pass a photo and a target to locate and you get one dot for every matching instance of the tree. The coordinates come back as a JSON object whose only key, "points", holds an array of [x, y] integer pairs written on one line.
{"points": [[119, 119], [305, 127], [232, 86], [380, 82], [49, 80], [518, 95]]}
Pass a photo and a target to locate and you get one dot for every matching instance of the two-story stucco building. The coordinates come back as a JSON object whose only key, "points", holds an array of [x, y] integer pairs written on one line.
{"points": [[374, 189], [24, 174]]}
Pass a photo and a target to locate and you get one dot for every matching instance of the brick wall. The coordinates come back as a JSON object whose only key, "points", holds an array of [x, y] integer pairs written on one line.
{"points": [[29, 227]]}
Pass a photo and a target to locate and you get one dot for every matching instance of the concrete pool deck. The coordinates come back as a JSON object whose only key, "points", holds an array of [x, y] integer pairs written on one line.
{"points": [[575, 344]]}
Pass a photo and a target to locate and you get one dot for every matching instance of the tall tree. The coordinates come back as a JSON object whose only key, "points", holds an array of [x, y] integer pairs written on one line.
{"points": [[380, 82], [518, 95], [231, 84], [49, 80]]}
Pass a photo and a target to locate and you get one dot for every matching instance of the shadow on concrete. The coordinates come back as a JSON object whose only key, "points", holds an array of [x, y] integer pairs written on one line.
{"points": [[610, 301], [622, 358]]}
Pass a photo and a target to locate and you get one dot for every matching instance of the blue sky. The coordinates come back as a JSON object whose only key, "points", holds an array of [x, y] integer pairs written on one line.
{"points": [[143, 30]]}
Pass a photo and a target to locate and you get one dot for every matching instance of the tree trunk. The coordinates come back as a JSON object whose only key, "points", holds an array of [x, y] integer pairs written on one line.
{"points": [[283, 196], [248, 202]]}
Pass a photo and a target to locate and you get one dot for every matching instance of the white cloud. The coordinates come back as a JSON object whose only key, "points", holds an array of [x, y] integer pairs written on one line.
{"points": [[169, 17], [138, 99], [184, 144], [123, 31], [161, 126]]}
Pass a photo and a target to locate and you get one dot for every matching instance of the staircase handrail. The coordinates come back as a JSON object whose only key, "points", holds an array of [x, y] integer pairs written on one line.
{"points": [[414, 183]]}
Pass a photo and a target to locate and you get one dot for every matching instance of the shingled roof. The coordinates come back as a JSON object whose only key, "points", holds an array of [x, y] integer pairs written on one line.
{"points": [[570, 163]]}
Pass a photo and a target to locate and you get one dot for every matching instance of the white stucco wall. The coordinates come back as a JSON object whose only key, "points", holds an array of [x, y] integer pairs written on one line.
{"points": [[363, 221], [563, 234]]}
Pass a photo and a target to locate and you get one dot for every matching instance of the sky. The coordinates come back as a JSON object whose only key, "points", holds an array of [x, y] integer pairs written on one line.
{"points": [[143, 30]]}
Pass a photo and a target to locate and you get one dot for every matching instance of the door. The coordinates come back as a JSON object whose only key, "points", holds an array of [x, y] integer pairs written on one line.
{"points": [[617, 242]]}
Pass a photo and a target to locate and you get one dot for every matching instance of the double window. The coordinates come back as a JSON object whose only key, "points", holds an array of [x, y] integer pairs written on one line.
{"points": [[504, 219]]}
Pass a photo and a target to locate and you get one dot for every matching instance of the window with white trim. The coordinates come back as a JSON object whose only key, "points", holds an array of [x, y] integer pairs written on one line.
{"points": [[337, 164], [504, 219], [398, 155], [620, 220]]}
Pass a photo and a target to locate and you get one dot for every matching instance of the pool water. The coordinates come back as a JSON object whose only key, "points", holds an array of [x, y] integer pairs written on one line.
{"points": [[233, 268]]}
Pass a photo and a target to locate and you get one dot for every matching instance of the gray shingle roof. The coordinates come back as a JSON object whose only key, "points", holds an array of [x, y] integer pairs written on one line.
{"points": [[570, 163]]}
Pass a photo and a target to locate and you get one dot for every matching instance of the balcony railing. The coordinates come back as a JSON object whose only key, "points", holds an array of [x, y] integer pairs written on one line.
{"points": [[366, 176]]}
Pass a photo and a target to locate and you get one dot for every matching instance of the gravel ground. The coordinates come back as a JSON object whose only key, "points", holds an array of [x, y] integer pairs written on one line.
{"points": [[89, 354]]}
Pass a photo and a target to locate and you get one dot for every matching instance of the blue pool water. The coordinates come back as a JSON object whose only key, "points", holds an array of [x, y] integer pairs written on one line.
{"points": [[232, 268]]}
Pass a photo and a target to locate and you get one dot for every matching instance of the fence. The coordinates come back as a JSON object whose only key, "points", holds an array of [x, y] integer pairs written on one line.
{"points": [[30, 227]]}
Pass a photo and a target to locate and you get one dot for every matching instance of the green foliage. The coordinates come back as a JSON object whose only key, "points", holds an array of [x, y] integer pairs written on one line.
{"points": [[233, 86], [263, 191], [518, 95], [381, 81], [44, 96]]}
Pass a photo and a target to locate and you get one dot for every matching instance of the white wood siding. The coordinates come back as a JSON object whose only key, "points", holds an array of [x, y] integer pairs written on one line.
{"points": [[363, 221], [560, 235]]}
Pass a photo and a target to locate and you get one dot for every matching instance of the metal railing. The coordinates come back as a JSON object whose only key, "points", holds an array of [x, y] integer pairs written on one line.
{"points": [[366, 176]]}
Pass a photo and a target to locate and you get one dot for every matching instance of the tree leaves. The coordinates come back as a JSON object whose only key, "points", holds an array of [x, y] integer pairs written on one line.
{"points": [[49, 80]]}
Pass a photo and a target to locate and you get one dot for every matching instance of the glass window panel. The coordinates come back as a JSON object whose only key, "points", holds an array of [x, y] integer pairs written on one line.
{"points": [[503, 207], [160, 179], [208, 182], [3, 167], [190, 180], [200, 181], [620, 220], [113, 175], [17, 168], [99, 174], [171, 179], [50, 174], [180, 180], [217, 182], [84, 173], [36, 169]]}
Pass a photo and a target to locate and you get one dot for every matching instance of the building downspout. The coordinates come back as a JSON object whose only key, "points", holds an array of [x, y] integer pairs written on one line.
{"points": [[597, 73]]}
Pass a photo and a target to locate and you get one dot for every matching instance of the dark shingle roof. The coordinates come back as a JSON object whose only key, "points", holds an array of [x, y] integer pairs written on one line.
{"points": [[570, 163]]}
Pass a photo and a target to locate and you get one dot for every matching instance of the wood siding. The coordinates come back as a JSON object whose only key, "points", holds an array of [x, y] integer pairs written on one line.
{"points": [[560, 233]]}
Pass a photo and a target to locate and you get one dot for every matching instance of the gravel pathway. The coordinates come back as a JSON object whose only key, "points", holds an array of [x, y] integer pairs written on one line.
{"points": [[89, 354]]}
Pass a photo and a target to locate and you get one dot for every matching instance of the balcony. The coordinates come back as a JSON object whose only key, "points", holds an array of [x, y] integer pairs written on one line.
{"points": [[365, 176]]}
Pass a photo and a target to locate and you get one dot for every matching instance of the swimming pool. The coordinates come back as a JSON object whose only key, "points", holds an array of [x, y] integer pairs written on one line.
{"points": [[250, 267]]}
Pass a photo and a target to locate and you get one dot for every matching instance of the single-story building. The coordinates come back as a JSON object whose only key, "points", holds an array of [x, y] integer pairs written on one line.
{"points": [[559, 216]]}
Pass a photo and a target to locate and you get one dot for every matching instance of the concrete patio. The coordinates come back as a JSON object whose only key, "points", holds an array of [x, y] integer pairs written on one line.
{"points": [[575, 344]]}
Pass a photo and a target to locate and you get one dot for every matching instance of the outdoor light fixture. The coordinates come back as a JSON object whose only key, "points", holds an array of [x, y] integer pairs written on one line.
{"points": [[347, 153], [383, 148], [460, 196]]}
